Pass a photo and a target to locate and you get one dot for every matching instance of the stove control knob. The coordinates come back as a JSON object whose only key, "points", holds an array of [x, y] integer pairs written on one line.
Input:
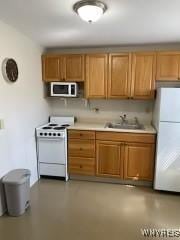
{"points": [[41, 134], [50, 134], [45, 134], [54, 134], [59, 134]]}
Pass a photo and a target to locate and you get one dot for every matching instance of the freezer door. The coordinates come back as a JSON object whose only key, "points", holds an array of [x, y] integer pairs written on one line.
{"points": [[167, 168], [170, 104]]}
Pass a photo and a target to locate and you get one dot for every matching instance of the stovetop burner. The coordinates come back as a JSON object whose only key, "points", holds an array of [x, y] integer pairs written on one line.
{"points": [[65, 125], [47, 128], [59, 128], [53, 125]]}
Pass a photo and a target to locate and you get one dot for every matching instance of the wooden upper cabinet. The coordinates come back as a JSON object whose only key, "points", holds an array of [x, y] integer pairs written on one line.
{"points": [[143, 75], [96, 75], [139, 161], [119, 75], [74, 68], [51, 68], [109, 159], [63, 68], [168, 66]]}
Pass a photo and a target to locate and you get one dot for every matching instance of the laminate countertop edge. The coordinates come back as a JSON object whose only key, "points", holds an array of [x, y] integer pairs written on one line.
{"points": [[148, 129]]}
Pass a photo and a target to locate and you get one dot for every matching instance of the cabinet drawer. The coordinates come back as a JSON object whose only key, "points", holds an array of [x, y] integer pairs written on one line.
{"points": [[126, 137], [81, 134], [81, 148], [82, 166]]}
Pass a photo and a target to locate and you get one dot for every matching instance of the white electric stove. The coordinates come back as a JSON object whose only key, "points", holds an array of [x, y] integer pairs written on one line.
{"points": [[52, 147]]}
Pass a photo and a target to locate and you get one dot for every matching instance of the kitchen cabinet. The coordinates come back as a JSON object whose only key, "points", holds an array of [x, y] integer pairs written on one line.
{"points": [[129, 154], [82, 166], [109, 159], [122, 155], [96, 75], [74, 68], [139, 161], [88, 135], [114, 75], [51, 68], [81, 152], [119, 80], [128, 77], [63, 68], [81, 148], [143, 75], [125, 137], [168, 66]]}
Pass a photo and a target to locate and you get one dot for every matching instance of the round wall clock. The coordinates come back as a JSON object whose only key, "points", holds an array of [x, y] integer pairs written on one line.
{"points": [[10, 70]]}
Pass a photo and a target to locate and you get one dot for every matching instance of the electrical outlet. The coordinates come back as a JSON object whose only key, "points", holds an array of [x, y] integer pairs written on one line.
{"points": [[1, 124]]}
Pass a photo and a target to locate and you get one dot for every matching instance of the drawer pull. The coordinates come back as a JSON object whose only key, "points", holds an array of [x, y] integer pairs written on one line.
{"points": [[80, 134], [80, 149], [81, 166]]}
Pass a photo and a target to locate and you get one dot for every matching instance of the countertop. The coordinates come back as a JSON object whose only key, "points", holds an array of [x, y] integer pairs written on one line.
{"points": [[148, 129]]}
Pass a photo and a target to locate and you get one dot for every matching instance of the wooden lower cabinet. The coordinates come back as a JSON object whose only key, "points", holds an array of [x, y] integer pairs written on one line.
{"points": [[82, 166], [81, 152], [128, 156], [81, 148], [139, 161], [109, 159]]}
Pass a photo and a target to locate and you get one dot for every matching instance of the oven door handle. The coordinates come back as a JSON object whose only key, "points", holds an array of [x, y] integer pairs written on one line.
{"points": [[51, 139]]}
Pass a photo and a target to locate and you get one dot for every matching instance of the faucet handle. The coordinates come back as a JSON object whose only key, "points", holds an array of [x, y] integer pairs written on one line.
{"points": [[136, 120]]}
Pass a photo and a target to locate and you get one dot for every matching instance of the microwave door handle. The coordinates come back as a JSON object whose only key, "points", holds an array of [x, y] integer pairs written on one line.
{"points": [[51, 89], [69, 92], [75, 89]]}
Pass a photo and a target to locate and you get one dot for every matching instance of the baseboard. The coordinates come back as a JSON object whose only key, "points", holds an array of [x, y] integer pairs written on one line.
{"points": [[111, 180]]}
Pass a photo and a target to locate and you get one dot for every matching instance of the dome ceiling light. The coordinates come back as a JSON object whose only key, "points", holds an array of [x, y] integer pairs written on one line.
{"points": [[90, 11]]}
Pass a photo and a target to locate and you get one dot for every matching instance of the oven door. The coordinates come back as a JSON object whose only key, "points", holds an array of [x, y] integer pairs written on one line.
{"points": [[52, 150], [60, 89]]}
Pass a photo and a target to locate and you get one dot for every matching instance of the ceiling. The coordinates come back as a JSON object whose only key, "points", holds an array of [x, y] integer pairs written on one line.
{"points": [[52, 23]]}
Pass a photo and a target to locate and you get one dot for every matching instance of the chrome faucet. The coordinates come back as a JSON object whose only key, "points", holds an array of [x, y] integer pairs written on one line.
{"points": [[124, 119]]}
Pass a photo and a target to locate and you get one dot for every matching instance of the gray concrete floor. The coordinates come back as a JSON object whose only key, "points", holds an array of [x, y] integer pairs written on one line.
{"points": [[82, 210]]}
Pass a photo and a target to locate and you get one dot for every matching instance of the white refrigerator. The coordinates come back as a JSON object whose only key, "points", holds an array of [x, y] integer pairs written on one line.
{"points": [[166, 119]]}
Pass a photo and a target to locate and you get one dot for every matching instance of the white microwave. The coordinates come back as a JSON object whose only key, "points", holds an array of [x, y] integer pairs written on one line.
{"points": [[63, 89]]}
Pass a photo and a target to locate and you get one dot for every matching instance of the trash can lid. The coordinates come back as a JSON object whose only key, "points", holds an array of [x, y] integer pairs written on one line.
{"points": [[17, 176]]}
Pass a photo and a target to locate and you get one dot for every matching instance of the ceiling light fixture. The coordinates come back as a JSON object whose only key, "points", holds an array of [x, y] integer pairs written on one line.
{"points": [[90, 11]]}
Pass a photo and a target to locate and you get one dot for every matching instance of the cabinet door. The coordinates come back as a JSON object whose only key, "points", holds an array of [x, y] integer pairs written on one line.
{"points": [[74, 68], [168, 66], [143, 75], [119, 75], [139, 161], [96, 75], [109, 159], [51, 68]]}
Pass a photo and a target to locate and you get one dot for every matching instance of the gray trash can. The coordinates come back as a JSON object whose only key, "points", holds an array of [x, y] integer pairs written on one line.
{"points": [[17, 191]]}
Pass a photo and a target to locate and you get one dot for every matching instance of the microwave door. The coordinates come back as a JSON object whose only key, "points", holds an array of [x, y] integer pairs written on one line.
{"points": [[60, 90]]}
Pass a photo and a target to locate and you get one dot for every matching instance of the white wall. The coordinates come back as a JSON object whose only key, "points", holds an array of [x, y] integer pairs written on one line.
{"points": [[22, 104], [108, 109]]}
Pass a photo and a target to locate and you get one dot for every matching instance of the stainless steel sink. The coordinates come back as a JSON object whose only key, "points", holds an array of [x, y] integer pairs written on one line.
{"points": [[125, 126]]}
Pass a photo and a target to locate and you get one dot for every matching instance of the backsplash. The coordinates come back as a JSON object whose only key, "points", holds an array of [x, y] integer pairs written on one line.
{"points": [[102, 110]]}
